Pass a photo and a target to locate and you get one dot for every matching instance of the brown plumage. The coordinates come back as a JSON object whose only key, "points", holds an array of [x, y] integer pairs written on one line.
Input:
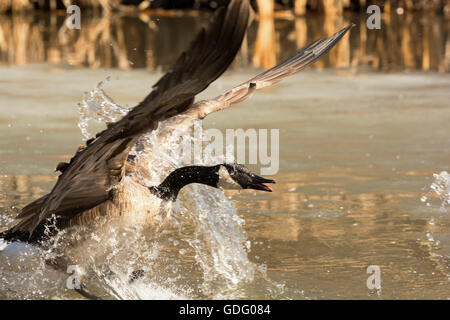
{"points": [[84, 187]]}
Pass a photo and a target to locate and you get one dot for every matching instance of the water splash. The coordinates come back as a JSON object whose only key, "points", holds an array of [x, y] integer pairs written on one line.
{"points": [[440, 187], [97, 107], [216, 238], [203, 225]]}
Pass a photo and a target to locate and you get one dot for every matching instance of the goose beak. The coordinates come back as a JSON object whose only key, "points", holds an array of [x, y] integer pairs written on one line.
{"points": [[258, 183]]}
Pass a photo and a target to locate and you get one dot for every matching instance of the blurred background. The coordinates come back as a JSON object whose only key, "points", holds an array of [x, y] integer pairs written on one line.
{"points": [[266, 7], [147, 34]]}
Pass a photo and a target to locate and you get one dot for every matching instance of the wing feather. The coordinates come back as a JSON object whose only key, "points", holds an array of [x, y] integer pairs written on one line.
{"points": [[298, 61]]}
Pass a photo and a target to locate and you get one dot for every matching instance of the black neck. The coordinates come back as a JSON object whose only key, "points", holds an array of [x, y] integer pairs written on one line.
{"points": [[175, 181]]}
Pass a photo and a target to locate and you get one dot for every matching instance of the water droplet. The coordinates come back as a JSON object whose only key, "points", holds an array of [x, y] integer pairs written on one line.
{"points": [[262, 268]]}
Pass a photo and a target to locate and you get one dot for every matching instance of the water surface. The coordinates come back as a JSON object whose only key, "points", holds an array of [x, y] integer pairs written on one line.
{"points": [[358, 149]]}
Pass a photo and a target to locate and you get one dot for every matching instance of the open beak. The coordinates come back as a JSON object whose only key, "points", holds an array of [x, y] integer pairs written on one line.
{"points": [[258, 183]]}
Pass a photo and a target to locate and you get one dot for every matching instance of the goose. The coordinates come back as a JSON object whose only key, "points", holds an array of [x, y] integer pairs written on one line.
{"points": [[95, 181]]}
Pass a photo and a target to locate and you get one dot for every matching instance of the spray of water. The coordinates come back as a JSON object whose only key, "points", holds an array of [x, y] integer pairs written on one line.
{"points": [[441, 188], [203, 250], [96, 106]]}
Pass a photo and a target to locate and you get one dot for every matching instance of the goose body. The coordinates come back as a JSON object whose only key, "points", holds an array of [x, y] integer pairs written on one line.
{"points": [[95, 183], [132, 204]]}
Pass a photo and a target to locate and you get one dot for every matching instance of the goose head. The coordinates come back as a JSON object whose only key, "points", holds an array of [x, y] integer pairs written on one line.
{"points": [[222, 176], [237, 176]]}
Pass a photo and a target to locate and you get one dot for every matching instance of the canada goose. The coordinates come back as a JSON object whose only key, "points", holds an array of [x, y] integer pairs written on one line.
{"points": [[135, 203], [92, 182]]}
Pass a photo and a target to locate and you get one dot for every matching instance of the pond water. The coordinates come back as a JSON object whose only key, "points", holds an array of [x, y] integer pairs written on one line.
{"points": [[361, 135]]}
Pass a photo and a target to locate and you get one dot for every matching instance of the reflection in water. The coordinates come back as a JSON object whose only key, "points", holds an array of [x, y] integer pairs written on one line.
{"points": [[21, 188], [330, 239], [326, 249], [264, 53], [404, 42], [320, 243]]}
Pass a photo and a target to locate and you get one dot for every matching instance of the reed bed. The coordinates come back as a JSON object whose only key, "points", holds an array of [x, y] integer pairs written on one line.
{"points": [[409, 41], [265, 7]]}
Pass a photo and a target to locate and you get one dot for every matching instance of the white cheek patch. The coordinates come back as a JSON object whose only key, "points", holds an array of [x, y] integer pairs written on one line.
{"points": [[225, 180]]}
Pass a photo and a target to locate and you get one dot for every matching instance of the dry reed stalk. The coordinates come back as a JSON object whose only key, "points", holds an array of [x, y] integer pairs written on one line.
{"points": [[265, 8]]}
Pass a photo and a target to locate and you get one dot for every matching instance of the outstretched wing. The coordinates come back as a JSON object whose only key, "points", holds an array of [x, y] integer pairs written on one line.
{"points": [[88, 178], [298, 61]]}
